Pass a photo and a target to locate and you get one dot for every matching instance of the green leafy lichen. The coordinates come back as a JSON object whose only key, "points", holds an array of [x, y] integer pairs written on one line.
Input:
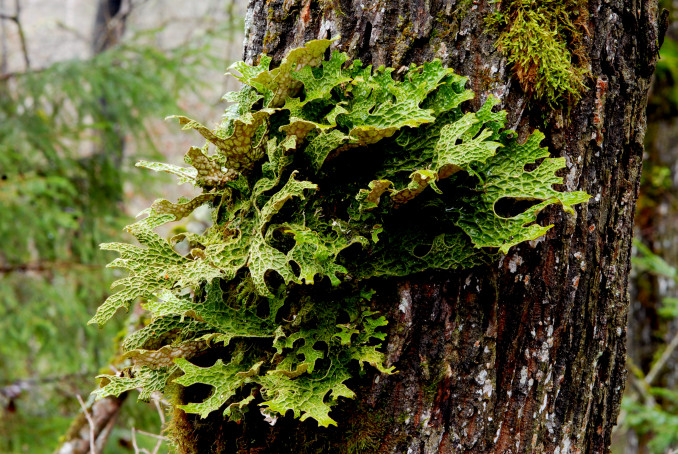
{"points": [[322, 176]]}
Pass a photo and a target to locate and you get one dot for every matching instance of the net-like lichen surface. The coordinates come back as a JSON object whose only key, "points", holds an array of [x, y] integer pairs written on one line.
{"points": [[322, 175]]}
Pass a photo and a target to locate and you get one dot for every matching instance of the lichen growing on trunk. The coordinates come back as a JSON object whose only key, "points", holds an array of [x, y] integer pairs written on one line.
{"points": [[324, 175]]}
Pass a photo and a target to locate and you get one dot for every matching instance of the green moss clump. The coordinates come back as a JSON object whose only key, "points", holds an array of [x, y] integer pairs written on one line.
{"points": [[544, 42]]}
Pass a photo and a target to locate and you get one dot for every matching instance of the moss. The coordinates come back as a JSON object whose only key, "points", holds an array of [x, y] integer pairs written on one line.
{"points": [[331, 5], [544, 43], [179, 432], [182, 428], [270, 37], [404, 40], [447, 25], [365, 433], [437, 373]]}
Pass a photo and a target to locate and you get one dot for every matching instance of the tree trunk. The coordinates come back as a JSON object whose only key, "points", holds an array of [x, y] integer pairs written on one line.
{"points": [[109, 27], [527, 354]]}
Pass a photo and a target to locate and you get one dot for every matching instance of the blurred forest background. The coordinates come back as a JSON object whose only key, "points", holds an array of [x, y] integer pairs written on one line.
{"points": [[84, 86]]}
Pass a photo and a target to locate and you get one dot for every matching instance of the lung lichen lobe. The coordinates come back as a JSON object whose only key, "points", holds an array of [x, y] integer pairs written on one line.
{"points": [[322, 175], [544, 41]]}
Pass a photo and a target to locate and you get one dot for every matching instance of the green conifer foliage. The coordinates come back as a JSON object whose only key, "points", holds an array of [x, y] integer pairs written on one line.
{"points": [[60, 196], [317, 161]]}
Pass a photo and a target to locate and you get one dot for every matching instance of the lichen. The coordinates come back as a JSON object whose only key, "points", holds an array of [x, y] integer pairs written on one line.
{"points": [[323, 176]]}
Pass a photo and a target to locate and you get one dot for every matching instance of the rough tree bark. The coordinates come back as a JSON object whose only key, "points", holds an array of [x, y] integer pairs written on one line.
{"points": [[527, 354]]}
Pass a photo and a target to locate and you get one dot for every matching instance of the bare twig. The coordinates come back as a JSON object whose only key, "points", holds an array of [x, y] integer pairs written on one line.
{"points": [[17, 74], [661, 362], [152, 435], [157, 447], [22, 37], [74, 31], [16, 18], [134, 441], [90, 421], [3, 49], [103, 412], [161, 412], [639, 391], [28, 382], [642, 384]]}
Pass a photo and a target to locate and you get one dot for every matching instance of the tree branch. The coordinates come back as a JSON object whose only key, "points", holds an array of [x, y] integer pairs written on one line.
{"points": [[42, 267]]}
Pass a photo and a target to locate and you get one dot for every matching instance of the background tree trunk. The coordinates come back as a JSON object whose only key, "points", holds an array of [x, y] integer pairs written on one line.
{"points": [[525, 355], [656, 226]]}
